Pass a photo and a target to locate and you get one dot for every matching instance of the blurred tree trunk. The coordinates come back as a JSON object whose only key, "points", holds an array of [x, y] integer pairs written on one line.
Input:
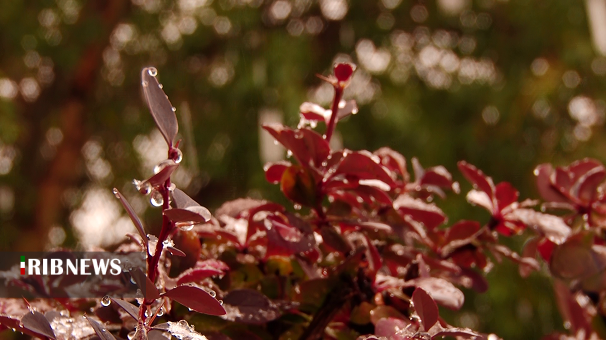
{"points": [[64, 169]]}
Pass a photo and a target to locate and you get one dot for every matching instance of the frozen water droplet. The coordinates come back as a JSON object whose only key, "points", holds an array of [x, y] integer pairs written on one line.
{"points": [[174, 109], [161, 86], [131, 335], [156, 198], [105, 301], [160, 311], [297, 207], [178, 156], [152, 71]]}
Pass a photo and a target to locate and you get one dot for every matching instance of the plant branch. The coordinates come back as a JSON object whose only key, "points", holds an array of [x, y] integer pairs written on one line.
{"points": [[335, 111]]}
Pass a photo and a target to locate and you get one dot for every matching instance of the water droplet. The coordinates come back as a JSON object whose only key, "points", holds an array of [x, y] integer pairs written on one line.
{"points": [[221, 302], [276, 142], [212, 293], [152, 71], [354, 111], [160, 311], [168, 243], [156, 198], [183, 323], [161, 86], [288, 154], [162, 165], [536, 172], [172, 187], [297, 207], [313, 124], [178, 157], [144, 83], [105, 301], [142, 186], [298, 134], [174, 109], [147, 313], [116, 193], [325, 163], [132, 280], [131, 335]]}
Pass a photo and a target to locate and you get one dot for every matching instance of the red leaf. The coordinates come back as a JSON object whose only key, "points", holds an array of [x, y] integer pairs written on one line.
{"points": [[553, 227], [546, 189], [182, 200], [132, 214], [299, 186], [314, 112], [362, 166], [428, 214], [197, 299], [477, 178], [100, 330], [579, 168], [159, 105], [286, 239], [145, 284], [175, 251], [274, 171], [393, 161], [160, 178], [577, 258], [250, 307], [194, 214], [437, 176], [462, 230], [334, 240], [506, 195], [37, 323], [442, 291], [129, 308], [346, 108], [307, 146], [425, 307], [586, 186], [197, 274]]}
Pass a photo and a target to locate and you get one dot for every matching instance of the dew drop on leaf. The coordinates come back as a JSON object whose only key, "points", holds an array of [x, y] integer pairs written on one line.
{"points": [[212, 293], [144, 83], [161, 86], [288, 154], [297, 207], [160, 311], [156, 198], [183, 323], [131, 335], [174, 109], [152, 71], [147, 313], [221, 302], [172, 187], [105, 301], [178, 157], [116, 193]]}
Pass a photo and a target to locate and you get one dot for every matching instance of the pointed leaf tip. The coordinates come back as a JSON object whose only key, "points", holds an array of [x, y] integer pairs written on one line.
{"points": [[426, 308]]}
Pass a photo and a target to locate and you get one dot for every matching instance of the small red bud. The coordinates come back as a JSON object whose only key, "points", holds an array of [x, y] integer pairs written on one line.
{"points": [[343, 71]]}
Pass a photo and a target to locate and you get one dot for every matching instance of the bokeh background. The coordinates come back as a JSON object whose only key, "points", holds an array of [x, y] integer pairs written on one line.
{"points": [[503, 84]]}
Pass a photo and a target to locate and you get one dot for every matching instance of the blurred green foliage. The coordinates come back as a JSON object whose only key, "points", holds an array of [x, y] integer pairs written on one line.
{"points": [[502, 84]]}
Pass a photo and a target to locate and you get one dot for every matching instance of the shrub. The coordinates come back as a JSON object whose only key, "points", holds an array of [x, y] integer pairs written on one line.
{"points": [[364, 253]]}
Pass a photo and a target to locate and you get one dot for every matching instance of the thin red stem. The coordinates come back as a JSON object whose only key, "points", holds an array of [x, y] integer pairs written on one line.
{"points": [[335, 111]]}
